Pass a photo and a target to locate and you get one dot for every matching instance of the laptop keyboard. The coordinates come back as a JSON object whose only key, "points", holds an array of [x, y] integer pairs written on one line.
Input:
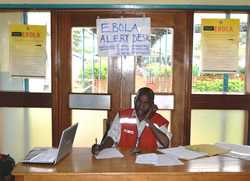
{"points": [[42, 155], [49, 156], [32, 154]]}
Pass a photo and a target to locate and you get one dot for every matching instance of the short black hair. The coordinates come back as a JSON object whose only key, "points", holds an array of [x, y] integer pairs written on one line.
{"points": [[146, 91]]}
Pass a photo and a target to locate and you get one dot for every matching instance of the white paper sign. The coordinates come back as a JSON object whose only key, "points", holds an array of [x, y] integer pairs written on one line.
{"points": [[123, 36]]}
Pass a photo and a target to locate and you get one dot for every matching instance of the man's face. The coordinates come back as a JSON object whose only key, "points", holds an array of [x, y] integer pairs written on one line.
{"points": [[142, 106]]}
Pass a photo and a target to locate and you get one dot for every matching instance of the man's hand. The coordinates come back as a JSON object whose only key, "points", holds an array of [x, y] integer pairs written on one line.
{"points": [[96, 148], [160, 136], [151, 111], [107, 142]]}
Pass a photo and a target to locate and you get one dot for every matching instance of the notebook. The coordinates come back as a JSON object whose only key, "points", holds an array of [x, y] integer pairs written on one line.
{"points": [[53, 155]]}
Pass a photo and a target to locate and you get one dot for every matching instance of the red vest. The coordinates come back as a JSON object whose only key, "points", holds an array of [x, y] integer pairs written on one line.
{"points": [[128, 138]]}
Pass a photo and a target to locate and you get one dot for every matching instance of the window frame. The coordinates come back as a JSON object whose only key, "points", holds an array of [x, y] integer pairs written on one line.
{"points": [[226, 101]]}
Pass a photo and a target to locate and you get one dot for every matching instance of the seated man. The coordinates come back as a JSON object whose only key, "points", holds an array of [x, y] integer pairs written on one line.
{"points": [[141, 128]]}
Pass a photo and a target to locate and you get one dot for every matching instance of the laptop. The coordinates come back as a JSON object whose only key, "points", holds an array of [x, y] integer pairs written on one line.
{"points": [[53, 155]]}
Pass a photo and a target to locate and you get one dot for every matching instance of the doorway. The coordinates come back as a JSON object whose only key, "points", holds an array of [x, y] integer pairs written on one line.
{"points": [[81, 76]]}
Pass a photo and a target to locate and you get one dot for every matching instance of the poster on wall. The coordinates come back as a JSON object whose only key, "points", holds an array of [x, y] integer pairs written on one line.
{"points": [[220, 45], [123, 36], [27, 50]]}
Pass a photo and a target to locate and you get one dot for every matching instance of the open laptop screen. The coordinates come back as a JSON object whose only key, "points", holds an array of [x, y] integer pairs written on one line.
{"points": [[53, 155], [66, 142]]}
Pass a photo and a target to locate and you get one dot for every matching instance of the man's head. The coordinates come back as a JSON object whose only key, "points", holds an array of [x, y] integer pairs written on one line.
{"points": [[144, 102]]}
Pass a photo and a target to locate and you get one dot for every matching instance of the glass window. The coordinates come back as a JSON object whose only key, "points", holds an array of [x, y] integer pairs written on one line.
{"points": [[89, 71], [7, 82], [90, 127], [212, 126], [166, 114], [38, 84], [24, 128], [155, 71], [214, 82]]}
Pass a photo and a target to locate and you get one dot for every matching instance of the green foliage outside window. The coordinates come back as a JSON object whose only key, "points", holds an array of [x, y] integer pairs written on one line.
{"points": [[156, 69], [98, 73], [234, 85], [214, 82]]}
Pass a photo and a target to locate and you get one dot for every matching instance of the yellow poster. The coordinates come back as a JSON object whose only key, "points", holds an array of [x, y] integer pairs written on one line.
{"points": [[220, 45], [27, 50]]}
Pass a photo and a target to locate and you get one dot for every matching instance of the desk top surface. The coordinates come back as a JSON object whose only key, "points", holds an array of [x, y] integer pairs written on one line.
{"points": [[81, 161]]}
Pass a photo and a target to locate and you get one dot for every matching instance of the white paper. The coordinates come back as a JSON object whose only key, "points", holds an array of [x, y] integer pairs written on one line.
{"points": [[123, 36], [28, 61], [158, 159], [183, 153], [167, 160], [236, 151], [242, 156], [235, 147], [109, 153], [149, 158]]}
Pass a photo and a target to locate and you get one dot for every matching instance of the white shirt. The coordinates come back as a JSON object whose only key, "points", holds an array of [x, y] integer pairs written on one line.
{"points": [[115, 129]]}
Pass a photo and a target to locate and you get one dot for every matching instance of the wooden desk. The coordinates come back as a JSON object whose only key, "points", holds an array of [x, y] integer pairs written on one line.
{"points": [[81, 166]]}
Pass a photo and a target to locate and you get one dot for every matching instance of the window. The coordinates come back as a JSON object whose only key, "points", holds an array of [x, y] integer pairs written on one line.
{"points": [[212, 126], [29, 125], [89, 71], [155, 71], [224, 118], [9, 83], [214, 82]]}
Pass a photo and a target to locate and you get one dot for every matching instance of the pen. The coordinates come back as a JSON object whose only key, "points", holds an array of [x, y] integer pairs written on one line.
{"points": [[95, 140]]}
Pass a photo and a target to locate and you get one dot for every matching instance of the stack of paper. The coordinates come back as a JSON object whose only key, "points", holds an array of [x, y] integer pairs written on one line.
{"points": [[211, 150], [236, 151], [242, 156], [157, 159], [235, 147], [109, 153], [183, 153]]}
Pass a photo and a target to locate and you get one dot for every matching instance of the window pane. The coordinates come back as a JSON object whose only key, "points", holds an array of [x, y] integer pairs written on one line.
{"points": [[90, 126], [155, 71], [8, 83], [166, 114], [24, 128], [214, 82], [212, 126], [38, 84], [242, 49], [89, 71]]}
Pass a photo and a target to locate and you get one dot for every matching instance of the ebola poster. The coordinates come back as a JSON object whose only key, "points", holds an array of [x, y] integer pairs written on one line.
{"points": [[27, 50], [220, 45]]}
